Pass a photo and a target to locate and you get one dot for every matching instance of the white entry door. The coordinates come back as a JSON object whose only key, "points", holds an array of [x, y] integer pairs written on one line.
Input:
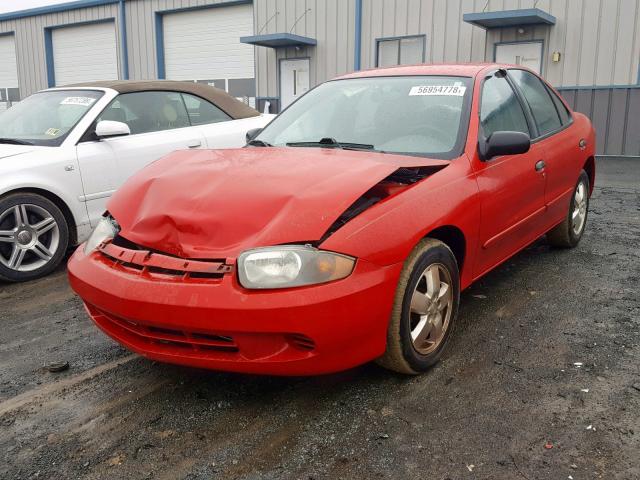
{"points": [[294, 80], [527, 54]]}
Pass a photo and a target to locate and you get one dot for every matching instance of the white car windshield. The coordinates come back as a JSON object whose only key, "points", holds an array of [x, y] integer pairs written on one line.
{"points": [[412, 115], [46, 118]]}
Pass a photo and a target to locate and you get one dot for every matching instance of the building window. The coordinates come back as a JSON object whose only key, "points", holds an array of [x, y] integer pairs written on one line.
{"points": [[400, 50]]}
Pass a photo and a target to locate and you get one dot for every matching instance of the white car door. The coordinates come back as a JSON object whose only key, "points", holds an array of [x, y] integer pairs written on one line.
{"points": [[159, 125], [219, 130]]}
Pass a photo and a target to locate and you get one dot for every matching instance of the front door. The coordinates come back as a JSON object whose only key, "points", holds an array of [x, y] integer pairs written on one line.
{"points": [[511, 188], [527, 54], [294, 80]]}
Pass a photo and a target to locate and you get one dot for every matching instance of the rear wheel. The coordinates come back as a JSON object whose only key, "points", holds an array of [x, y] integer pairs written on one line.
{"points": [[425, 309], [569, 232], [34, 236]]}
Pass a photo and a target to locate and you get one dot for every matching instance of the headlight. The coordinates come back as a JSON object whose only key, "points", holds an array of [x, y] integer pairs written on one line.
{"points": [[291, 266], [106, 229]]}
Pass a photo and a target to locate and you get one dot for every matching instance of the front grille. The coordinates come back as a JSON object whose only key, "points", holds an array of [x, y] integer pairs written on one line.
{"points": [[134, 258], [301, 341], [181, 339]]}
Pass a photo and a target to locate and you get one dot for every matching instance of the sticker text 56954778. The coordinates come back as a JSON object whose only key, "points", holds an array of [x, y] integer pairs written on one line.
{"points": [[438, 90]]}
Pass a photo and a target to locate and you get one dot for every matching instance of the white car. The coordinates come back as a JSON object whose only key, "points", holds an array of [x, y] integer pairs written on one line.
{"points": [[64, 151]]}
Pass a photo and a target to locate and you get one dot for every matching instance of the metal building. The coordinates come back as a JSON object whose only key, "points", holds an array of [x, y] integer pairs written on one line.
{"points": [[275, 50]]}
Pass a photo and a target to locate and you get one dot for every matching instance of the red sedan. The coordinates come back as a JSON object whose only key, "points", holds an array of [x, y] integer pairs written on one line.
{"points": [[346, 229]]}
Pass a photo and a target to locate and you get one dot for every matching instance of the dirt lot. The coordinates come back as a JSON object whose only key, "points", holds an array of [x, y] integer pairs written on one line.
{"points": [[509, 385]]}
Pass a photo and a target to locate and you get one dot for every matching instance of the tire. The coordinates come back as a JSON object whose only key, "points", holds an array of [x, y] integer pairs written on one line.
{"points": [[568, 234], [34, 237], [403, 355]]}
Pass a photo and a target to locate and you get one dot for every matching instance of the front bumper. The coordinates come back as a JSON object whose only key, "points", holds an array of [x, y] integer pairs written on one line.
{"points": [[219, 325]]}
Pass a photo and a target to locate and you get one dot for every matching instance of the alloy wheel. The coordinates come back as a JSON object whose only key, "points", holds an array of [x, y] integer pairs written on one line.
{"points": [[431, 308], [579, 214], [29, 237]]}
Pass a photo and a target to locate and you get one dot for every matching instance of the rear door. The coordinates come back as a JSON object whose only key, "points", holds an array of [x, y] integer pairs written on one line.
{"points": [[511, 188], [560, 142], [159, 125]]}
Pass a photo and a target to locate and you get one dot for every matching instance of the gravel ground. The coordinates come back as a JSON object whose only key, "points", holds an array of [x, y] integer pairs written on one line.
{"points": [[541, 381]]}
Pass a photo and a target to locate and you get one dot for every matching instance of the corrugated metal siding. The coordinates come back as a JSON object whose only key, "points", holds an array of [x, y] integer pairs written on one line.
{"points": [[599, 39], [29, 35], [330, 22], [615, 113]]}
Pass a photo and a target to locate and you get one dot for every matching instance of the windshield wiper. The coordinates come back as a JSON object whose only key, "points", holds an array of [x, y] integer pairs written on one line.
{"points": [[333, 143], [15, 141], [259, 143]]}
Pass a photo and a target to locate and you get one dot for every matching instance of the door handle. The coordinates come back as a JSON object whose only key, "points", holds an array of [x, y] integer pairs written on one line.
{"points": [[540, 165], [194, 144]]}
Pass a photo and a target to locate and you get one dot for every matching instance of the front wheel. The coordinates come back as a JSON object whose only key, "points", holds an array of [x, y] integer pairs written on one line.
{"points": [[425, 309], [569, 232], [34, 237]]}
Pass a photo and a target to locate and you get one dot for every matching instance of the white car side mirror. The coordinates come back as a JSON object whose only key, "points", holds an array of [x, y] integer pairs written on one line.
{"points": [[109, 128]]}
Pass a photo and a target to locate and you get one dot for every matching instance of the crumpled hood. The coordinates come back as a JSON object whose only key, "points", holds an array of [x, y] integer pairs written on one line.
{"points": [[218, 203], [8, 150]]}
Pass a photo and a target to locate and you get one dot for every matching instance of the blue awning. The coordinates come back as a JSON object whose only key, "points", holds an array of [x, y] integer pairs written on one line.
{"points": [[279, 40], [509, 18]]}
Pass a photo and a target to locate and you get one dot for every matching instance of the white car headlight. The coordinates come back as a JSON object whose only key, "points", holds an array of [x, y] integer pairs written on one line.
{"points": [[291, 266], [106, 229]]}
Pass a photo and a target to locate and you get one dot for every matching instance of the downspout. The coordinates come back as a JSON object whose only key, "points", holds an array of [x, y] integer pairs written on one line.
{"points": [[358, 39], [122, 20]]}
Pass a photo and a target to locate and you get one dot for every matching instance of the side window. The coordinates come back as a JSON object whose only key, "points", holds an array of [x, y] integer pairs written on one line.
{"points": [[538, 98], [500, 109], [202, 112], [565, 116], [148, 111]]}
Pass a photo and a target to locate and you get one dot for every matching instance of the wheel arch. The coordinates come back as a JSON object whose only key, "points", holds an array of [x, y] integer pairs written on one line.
{"points": [[590, 167], [454, 238], [57, 201]]}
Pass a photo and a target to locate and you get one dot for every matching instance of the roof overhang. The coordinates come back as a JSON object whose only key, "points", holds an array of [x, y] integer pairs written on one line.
{"points": [[279, 40], [509, 18]]}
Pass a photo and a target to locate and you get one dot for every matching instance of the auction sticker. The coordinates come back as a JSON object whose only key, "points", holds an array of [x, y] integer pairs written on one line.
{"points": [[83, 101], [438, 90]]}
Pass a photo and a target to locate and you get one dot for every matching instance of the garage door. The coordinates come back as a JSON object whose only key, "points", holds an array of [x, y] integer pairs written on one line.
{"points": [[9, 72], [204, 45], [85, 53]]}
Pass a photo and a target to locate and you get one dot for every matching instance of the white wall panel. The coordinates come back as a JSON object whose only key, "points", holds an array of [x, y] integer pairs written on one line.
{"points": [[205, 44], [85, 53]]}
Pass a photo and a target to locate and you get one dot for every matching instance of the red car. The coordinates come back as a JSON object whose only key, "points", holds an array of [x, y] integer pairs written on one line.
{"points": [[346, 229]]}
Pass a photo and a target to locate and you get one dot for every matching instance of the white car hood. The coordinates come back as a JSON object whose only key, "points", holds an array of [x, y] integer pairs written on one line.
{"points": [[8, 150]]}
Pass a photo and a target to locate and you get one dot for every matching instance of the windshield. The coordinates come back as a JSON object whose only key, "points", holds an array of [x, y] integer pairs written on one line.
{"points": [[416, 115], [46, 118]]}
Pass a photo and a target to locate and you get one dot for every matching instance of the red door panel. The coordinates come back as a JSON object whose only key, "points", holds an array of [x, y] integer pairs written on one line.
{"points": [[513, 207]]}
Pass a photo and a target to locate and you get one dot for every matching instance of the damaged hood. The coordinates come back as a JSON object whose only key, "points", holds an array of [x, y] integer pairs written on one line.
{"points": [[218, 203]]}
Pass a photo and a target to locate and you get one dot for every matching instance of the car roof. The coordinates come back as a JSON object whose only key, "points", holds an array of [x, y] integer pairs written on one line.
{"points": [[453, 69], [232, 107]]}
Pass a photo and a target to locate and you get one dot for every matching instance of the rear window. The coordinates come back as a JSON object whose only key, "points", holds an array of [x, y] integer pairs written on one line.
{"points": [[537, 96]]}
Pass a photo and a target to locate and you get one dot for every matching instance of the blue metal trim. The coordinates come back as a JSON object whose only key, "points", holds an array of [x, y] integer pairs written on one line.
{"points": [[124, 48], [48, 44], [7, 33], [276, 40], [161, 71], [357, 54], [515, 42], [48, 54], [509, 18], [598, 87], [62, 7]]}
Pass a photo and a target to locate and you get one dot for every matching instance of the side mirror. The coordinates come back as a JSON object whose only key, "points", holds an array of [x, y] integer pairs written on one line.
{"points": [[253, 133], [109, 128], [503, 143]]}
